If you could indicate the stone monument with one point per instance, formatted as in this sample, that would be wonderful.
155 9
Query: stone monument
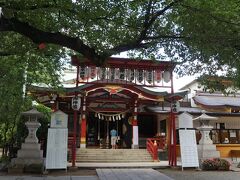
206 148
30 153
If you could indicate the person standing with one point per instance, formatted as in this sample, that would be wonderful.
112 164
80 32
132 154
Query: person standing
113 134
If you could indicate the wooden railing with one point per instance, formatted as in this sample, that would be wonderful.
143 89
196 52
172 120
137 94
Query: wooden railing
154 144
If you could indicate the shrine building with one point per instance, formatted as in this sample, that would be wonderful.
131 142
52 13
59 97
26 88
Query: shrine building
117 95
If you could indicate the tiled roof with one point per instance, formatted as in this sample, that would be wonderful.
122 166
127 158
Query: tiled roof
218 101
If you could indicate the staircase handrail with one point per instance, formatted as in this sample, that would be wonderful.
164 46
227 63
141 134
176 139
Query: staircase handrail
154 144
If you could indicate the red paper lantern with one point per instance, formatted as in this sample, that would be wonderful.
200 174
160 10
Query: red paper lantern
42 46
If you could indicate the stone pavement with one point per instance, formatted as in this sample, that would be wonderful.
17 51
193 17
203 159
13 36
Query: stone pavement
130 174
103 174
49 178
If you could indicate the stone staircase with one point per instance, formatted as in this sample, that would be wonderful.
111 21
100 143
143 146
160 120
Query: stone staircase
112 155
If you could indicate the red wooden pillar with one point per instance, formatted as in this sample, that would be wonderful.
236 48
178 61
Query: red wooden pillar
83 125
135 144
172 154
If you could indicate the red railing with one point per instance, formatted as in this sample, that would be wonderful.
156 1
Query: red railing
154 144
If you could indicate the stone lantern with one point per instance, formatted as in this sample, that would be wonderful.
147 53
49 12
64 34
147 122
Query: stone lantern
30 153
206 148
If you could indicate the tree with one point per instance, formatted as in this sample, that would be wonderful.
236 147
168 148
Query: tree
14 73
202 36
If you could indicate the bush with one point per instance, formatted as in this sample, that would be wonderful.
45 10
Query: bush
209 164
215 164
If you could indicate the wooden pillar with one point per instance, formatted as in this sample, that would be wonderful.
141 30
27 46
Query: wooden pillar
83 125
135 144
172 154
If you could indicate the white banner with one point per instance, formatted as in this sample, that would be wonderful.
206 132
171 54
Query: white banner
188 147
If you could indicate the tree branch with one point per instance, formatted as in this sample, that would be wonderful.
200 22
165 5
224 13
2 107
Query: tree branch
147 24
38 36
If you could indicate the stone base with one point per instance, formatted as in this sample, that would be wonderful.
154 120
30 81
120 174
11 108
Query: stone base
135 146
20 165
206 151
22 161
82 145
16 169
30 154
30 151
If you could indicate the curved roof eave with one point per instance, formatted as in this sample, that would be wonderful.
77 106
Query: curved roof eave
217 102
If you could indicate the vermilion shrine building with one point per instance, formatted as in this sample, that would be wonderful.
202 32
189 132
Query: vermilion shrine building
117 95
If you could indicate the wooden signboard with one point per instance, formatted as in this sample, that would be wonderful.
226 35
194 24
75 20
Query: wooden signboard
188 148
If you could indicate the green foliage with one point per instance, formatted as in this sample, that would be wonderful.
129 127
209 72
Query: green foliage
215 164
201 36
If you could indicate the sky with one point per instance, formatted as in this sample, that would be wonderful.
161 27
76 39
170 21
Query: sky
180 82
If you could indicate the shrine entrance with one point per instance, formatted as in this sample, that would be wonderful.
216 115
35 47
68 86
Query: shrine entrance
98 132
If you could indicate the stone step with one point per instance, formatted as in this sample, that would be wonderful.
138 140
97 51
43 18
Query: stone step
112 155
111 161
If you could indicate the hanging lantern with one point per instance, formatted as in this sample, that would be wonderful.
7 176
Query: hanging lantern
157 76
96 115
122 74
113 118
130 75
102 73
111 74
149 76
166 76
116 73
140 75
99 117
93 72
76 103
82 72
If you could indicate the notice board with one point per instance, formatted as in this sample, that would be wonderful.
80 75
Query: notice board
57 149
188 148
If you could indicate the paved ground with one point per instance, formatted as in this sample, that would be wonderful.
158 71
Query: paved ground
130 174
192 174
177 174
49 178
91 174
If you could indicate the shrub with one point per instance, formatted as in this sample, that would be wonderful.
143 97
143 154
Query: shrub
209 164
215 164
